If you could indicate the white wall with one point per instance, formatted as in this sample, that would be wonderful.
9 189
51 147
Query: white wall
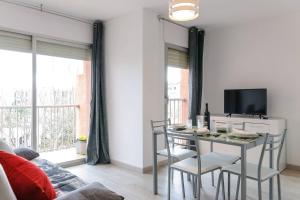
153 80
262 54
155 35
176 35
25 20
135 78
123 56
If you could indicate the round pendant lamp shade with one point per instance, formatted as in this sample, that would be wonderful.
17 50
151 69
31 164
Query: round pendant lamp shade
183 10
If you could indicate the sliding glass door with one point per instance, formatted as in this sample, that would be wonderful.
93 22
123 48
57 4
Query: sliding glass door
63 92
44 92
15 98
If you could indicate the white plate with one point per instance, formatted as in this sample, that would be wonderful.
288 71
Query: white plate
177 126
244 135
198 131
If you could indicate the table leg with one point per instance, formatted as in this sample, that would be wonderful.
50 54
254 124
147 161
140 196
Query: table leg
154 164
229 185
243 172
271 182
212 173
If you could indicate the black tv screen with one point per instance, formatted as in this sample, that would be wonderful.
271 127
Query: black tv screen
245 101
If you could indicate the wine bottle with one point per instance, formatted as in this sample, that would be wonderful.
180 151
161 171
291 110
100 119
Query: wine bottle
207 117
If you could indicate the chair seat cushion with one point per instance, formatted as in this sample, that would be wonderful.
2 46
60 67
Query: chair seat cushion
252 171
209 162
178 153
26 179
190 165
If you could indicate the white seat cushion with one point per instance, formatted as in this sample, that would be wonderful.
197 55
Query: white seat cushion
5 188
190 165
252 171
178 153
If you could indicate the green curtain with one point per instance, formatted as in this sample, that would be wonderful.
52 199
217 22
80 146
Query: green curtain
196 43
97 150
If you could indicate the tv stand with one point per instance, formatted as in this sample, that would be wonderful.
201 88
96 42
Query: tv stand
259 116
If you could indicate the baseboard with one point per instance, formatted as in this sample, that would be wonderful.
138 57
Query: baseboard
159 164
126 166
137 169
293 167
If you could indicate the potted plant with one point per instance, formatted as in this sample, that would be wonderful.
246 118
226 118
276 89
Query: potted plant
81 143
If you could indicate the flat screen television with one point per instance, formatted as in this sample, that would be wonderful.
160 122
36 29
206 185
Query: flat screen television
245 101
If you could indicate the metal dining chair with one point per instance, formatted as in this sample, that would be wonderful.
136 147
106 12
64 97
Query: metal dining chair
196 166
177 152
258 172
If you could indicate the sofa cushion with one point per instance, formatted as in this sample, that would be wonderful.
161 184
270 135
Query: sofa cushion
5 147
26 153
93 191
62 180
26 179
5 189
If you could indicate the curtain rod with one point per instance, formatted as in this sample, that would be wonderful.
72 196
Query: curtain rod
170 21
42 9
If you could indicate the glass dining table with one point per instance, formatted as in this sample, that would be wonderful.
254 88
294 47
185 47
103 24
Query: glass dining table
243 144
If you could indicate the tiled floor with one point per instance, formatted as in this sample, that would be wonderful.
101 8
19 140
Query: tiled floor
137 186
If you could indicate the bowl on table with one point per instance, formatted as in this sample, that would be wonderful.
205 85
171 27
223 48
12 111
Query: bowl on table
243 134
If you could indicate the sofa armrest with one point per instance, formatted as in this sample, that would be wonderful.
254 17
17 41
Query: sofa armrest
91 191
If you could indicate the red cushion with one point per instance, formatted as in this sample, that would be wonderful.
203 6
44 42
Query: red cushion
26 179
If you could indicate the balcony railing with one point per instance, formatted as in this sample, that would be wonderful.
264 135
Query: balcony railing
176 110
56 126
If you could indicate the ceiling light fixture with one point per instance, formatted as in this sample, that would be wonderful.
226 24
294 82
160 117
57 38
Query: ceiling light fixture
183 10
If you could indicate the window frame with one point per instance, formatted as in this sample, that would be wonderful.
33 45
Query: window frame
167 47
34 41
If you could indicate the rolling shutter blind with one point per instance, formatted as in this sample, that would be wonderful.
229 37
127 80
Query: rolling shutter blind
15 42
177 58
23 43
78 52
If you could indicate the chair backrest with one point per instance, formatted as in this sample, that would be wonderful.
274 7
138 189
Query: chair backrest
160 126
191 141
272 143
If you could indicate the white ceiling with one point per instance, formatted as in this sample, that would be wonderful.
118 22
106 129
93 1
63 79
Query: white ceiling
213 13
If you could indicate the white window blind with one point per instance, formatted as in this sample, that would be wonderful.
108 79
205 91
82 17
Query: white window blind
15 41
176 58
23 43
65 50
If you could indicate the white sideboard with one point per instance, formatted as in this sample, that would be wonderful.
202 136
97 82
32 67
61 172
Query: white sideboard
271 125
